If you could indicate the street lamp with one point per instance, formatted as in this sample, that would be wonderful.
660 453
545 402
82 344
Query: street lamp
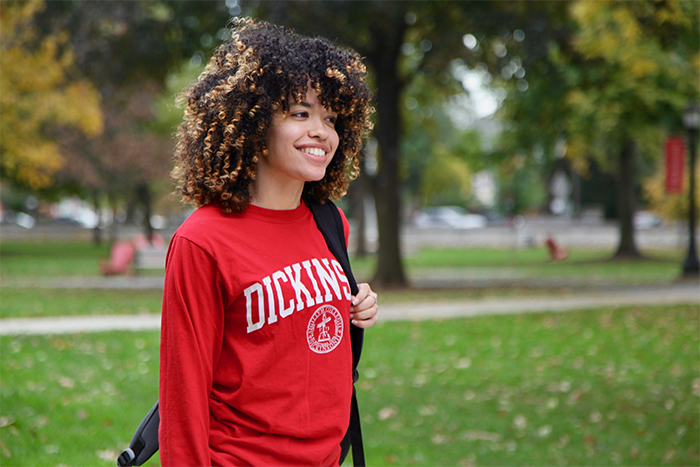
691 122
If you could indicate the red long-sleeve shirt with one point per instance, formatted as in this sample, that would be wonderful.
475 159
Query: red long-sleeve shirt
256 359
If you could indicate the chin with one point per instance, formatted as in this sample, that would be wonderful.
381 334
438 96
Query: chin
315 177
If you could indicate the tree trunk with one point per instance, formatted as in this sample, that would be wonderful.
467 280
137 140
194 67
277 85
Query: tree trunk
356 195
96 232
144 196
113 228
626 201
386 187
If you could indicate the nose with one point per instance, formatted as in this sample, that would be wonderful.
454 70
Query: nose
318 129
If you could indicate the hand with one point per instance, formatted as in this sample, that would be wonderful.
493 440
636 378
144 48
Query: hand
363 311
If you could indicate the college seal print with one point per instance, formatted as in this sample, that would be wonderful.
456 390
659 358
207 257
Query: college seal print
325 329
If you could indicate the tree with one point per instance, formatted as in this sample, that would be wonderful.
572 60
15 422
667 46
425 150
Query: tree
128 49
607 79
127 160
638 72
40 94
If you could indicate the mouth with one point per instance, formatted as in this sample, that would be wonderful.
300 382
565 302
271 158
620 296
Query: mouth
316 152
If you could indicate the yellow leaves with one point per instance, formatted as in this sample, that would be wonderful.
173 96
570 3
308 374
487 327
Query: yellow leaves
585 12
672 12
627 25
669 206
87 118
613 32
38 96
639 68
16 13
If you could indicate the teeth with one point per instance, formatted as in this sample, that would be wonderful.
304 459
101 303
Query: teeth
314 151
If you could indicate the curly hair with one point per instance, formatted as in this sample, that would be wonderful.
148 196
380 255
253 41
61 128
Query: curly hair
228 112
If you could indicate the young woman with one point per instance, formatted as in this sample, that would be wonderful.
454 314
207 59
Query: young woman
256 358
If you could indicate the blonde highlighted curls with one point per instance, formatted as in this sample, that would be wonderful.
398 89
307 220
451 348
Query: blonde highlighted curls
228 112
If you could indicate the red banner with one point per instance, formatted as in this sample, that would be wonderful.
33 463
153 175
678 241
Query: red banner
675 159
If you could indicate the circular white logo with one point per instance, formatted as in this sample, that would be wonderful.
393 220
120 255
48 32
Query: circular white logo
325 329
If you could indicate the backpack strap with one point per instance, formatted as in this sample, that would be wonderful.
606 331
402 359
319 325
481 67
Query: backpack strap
330 224
145 441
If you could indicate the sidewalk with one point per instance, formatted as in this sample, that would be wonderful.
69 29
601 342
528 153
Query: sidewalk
678 293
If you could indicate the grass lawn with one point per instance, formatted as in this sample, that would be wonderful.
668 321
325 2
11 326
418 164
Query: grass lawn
588 264
29 259
39 302
51 258
603 387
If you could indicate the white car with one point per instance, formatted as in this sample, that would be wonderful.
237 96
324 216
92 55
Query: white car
453 217
647 220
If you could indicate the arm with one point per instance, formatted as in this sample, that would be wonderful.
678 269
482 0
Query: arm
191 336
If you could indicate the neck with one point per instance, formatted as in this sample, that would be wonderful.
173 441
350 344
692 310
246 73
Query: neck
276 197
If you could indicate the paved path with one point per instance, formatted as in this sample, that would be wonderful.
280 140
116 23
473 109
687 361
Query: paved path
680 293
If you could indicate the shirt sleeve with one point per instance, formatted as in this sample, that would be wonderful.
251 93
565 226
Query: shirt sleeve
191 339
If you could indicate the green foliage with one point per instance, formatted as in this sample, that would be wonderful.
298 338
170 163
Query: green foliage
167 111
639 69
595 76
447 179
438 157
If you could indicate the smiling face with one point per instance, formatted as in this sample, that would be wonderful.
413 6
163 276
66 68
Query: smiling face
300 144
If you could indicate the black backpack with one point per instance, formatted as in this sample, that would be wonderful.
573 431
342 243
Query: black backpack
145 440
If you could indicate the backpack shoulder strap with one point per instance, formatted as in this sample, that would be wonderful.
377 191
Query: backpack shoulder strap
330 224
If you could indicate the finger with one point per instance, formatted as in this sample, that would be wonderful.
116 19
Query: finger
363 291
366 323
369 302
364 314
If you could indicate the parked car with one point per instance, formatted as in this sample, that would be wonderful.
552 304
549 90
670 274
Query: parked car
647 220
452 217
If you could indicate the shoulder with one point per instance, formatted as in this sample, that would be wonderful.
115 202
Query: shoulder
204 217
204 224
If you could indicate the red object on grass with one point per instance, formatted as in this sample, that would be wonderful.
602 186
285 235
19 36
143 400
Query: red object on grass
120 259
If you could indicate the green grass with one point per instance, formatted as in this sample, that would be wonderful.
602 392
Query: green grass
29 259
585 264
51 258
604 387
38 302
33 302
75 399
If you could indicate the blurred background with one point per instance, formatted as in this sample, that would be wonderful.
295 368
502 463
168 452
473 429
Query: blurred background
520 149
535 111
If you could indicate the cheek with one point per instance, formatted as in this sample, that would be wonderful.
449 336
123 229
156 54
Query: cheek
335 141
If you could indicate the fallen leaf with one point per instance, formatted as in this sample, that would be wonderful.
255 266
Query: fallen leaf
387 412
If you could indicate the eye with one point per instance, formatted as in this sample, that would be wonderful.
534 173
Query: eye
299 114
332 119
